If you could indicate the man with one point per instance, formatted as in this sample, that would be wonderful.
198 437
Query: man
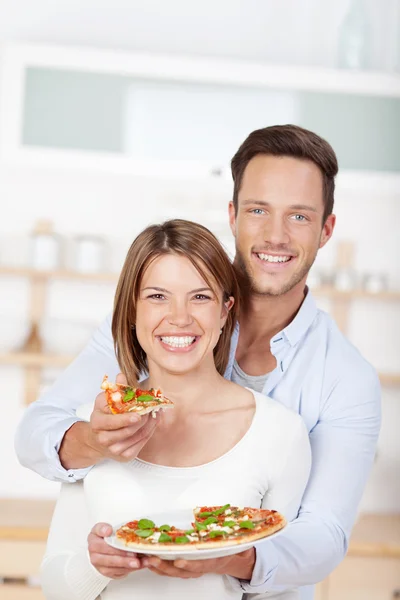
281 214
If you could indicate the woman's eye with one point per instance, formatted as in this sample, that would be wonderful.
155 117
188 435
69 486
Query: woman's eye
157 297
201 297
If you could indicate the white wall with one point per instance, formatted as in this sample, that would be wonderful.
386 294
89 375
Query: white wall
277 31
88 202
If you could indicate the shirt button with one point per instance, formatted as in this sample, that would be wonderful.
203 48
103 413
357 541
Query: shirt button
71 475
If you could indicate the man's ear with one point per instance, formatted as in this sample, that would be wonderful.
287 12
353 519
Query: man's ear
327 230
232 219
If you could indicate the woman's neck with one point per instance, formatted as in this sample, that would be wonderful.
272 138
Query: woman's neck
191 391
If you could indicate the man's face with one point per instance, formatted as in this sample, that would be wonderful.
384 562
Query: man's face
278 226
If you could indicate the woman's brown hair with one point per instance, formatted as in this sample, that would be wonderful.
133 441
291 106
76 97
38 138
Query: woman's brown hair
201 247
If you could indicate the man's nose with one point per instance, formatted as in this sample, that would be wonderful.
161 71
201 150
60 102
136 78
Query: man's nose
275 231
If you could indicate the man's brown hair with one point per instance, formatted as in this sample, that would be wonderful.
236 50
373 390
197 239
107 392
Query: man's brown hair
288 140
183 238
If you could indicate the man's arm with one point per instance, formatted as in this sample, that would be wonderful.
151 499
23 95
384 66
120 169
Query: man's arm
50 425
343 447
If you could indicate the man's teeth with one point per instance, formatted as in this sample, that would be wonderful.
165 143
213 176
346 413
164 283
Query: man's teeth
274 259
178 342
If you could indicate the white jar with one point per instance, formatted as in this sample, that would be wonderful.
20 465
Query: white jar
45 248
89 255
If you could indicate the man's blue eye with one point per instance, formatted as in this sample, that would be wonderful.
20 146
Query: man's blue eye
299 217
257 211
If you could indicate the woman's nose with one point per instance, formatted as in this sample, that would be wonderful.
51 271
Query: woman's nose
180 314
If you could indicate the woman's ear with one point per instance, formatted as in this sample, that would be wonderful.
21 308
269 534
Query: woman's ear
226 307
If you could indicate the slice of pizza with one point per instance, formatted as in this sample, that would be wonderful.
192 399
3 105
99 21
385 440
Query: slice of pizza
123 398
228 523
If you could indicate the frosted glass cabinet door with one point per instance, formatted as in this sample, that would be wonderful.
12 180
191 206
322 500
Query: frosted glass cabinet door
145 119
156 120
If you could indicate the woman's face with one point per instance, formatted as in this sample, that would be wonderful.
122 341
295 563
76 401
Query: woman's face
179 317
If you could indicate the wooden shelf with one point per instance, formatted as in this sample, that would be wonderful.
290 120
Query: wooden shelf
58 274
335 294
34 359
389 379
326 291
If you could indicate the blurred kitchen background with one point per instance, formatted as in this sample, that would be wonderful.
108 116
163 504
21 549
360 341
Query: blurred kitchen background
116 114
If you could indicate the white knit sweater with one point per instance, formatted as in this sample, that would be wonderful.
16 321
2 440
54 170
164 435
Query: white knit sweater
268 467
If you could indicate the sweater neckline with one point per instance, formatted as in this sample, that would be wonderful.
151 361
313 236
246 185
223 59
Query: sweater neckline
167 469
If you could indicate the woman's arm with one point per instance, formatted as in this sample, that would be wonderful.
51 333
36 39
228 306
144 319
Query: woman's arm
66 571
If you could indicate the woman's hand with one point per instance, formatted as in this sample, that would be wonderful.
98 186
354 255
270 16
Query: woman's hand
109 561
120 436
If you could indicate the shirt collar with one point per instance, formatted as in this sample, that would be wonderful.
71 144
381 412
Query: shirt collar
302 321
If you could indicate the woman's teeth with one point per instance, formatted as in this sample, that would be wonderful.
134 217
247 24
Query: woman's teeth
178 342
275 259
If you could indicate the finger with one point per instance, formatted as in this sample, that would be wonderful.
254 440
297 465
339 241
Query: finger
164 566
139 438
112 561
124 436
115 573
101 421
101 530
122 379
98 545
177 573
196 566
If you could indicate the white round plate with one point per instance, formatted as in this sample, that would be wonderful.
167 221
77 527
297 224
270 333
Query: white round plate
182 519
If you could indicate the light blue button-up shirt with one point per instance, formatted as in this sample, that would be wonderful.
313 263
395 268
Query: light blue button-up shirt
320 375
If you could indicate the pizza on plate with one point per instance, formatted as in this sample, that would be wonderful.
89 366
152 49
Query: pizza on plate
213 527
123 398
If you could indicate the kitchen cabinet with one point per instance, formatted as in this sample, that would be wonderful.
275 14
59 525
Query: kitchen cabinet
180 117
371 569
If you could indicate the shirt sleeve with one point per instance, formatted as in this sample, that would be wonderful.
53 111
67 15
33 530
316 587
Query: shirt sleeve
343 445
42 428
66 570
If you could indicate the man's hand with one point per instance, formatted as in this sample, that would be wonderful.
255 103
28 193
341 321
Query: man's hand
120 436
239 565
109 561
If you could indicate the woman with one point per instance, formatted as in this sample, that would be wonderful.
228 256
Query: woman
175 309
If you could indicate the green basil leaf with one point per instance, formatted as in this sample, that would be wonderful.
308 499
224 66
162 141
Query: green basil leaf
205 514
200 526
210 520
146 524
181 539
164 528
229 523
164 538
144 533
246 525
129 395
216 533
145 398
189 531
219 511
